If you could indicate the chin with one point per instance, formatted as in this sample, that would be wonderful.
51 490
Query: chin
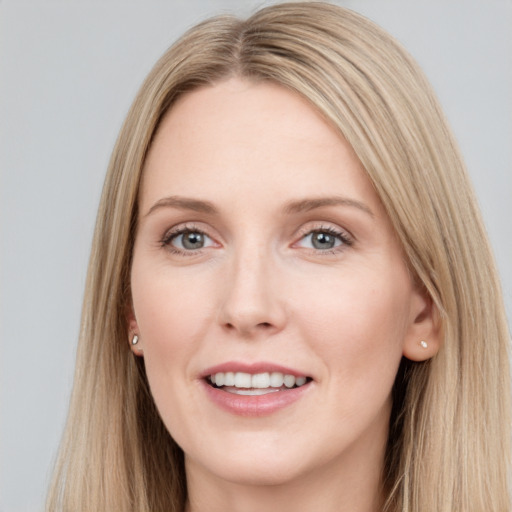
261 475
265 468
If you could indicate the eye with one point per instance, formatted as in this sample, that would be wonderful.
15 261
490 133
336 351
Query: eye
187 239
324 239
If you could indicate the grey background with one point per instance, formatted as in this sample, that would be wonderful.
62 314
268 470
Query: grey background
68 72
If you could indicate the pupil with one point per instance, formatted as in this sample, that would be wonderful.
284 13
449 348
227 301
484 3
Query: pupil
193 241
323 241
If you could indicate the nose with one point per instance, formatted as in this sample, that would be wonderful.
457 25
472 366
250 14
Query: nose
253 302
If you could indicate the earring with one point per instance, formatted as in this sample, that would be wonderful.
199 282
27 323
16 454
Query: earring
424 344
135 339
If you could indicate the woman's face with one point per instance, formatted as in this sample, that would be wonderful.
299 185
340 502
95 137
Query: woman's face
263 257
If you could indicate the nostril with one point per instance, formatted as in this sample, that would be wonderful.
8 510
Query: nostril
249 330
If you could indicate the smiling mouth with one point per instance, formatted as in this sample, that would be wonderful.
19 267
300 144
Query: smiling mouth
241 383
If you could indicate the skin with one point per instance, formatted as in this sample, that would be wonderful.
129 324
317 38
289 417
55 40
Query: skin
260 290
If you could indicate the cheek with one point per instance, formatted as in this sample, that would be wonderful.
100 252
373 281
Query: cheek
167 302
171 324
171 318
358 325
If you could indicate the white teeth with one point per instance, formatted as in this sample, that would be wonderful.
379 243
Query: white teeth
260 380
229 379
300 381
276 379
257 381
242 380
253 392
289 381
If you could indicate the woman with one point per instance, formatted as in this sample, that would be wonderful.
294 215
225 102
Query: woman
291 302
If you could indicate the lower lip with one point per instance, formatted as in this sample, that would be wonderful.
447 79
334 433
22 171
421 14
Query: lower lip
254 405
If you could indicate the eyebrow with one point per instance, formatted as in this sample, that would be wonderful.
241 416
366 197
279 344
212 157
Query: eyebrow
306 205
183 203
300 206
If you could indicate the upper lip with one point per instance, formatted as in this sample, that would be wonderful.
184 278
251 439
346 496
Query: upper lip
252 368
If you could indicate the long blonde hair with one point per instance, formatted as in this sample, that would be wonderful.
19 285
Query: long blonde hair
449 433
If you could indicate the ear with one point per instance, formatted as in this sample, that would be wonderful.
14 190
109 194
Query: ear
423 339
134 338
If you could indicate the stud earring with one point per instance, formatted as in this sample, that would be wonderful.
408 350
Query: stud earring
135 339
424 344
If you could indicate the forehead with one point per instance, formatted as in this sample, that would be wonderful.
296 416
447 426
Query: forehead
237 135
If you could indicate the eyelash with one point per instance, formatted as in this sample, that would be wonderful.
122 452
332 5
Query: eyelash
345 239
169 236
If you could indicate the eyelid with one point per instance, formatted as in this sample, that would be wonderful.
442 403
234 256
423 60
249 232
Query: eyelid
343 235
180 229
